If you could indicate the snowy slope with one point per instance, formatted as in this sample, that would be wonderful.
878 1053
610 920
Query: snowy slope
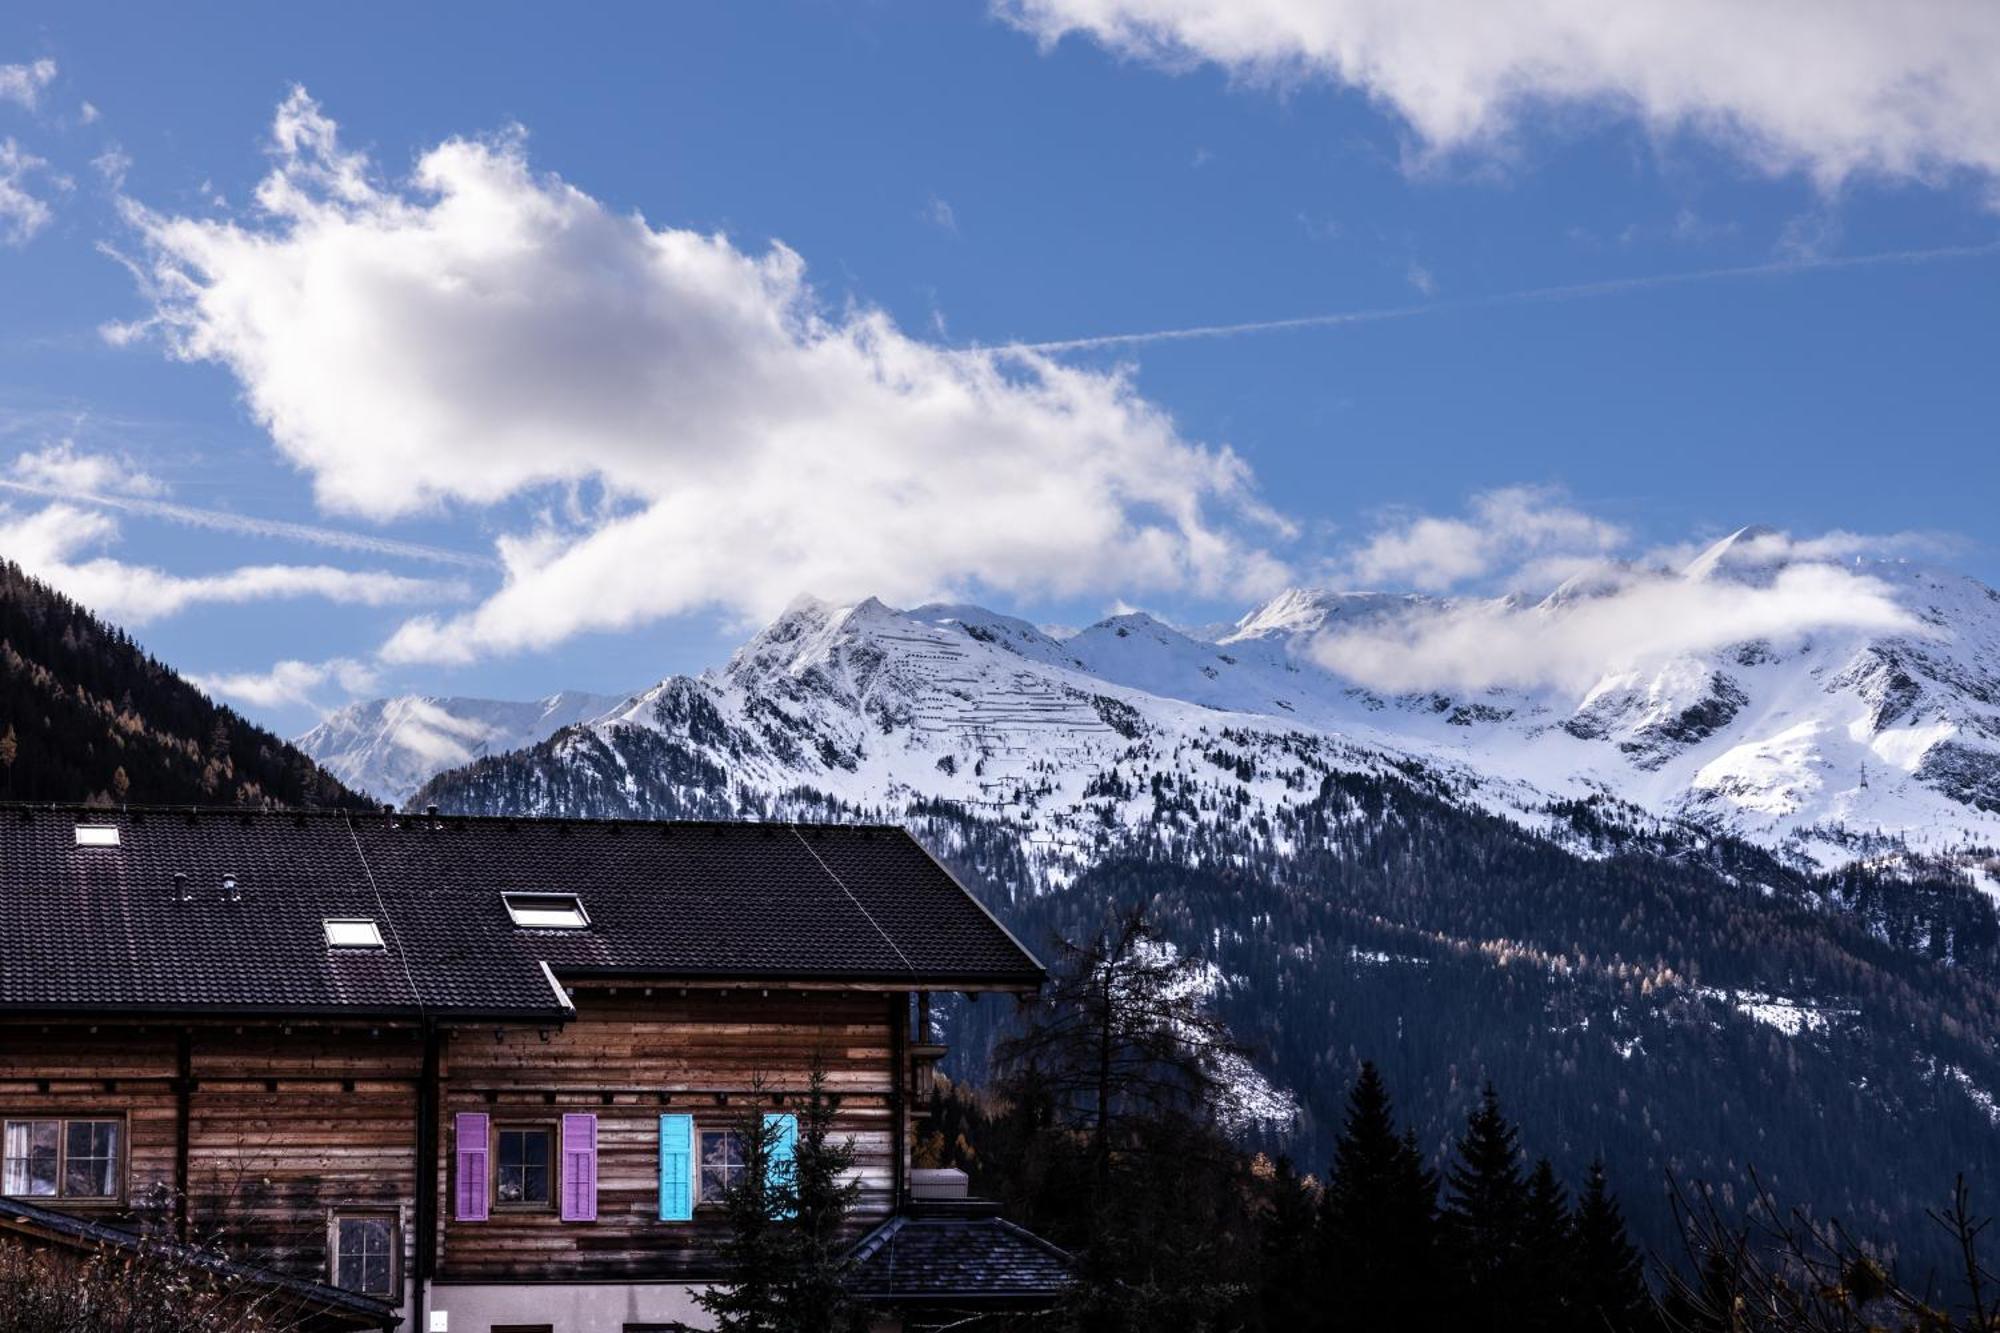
1815 746
389 747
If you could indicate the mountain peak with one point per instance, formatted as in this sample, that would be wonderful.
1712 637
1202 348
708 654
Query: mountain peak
1749 553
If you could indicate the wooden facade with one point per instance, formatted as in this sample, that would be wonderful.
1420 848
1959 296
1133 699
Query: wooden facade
258 1135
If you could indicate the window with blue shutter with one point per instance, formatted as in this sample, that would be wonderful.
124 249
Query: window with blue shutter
676 1168
784 1150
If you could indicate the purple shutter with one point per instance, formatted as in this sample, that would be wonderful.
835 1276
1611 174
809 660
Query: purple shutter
470 1135
579 1166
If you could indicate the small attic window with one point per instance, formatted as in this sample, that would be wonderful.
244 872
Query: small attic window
352 933
97 835
546 911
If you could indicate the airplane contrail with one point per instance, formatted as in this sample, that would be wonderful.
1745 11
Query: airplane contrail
1523 296
222 520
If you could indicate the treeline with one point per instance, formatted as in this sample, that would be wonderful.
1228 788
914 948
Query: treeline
1646 1009
1106 1130
87 715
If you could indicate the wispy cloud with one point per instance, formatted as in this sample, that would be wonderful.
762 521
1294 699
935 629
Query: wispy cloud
22 212
290 682
58 543
1579 291
222 520
23 84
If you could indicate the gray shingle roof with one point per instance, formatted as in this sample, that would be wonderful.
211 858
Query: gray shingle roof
958 1256
102 927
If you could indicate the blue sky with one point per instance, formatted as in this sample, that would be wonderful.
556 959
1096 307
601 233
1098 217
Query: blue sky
967 178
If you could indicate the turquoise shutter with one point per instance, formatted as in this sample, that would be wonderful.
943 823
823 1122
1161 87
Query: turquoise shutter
784 1150
676 1168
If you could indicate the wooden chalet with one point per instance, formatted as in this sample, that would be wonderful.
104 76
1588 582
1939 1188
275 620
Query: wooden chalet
471 1074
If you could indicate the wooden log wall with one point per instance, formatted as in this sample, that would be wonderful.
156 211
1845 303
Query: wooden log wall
628 1057
285 1125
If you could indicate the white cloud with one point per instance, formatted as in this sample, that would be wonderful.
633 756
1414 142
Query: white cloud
290 682
60 468
1638 618
938 212
23 84
1610 615
112 165
22 214
483 332
54 544
1503 529
1422 279
1833 88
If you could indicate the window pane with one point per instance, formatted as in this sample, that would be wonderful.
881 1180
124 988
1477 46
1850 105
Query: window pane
522 1174
721 1163
91 1159
364 1245
31 1153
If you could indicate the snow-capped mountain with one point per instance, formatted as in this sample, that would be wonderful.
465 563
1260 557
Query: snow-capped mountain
1332 853
390 747
1817 746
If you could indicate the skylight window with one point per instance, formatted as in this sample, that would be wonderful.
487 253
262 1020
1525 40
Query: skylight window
353 933
546 911
97 835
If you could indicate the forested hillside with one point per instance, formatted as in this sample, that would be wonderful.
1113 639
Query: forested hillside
1673 1002
87 715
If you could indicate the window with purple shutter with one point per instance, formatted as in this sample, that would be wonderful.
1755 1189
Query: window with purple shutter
469 1145
579 1183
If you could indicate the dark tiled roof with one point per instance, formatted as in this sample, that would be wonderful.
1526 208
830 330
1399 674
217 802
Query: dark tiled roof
101 927
351 1308
965 1255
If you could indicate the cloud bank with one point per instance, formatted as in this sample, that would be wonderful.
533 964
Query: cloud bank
1608 613
1830 88
707 433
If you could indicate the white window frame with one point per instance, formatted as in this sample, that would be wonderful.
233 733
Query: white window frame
341 931
538 911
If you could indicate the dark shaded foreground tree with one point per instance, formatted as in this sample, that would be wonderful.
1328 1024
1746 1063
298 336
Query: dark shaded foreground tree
787 1242
1776 1270
1115 1149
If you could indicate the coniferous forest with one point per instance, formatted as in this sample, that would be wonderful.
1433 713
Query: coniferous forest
87 715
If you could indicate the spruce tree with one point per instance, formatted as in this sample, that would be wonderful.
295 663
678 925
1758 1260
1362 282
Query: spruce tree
814 1293
756 1251
1484 1219
1288 1240
1608 1293
1547 1253
1379 1221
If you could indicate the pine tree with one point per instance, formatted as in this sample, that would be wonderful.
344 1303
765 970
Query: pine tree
1608 1293
1380 1219
814 1295
1484 1219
